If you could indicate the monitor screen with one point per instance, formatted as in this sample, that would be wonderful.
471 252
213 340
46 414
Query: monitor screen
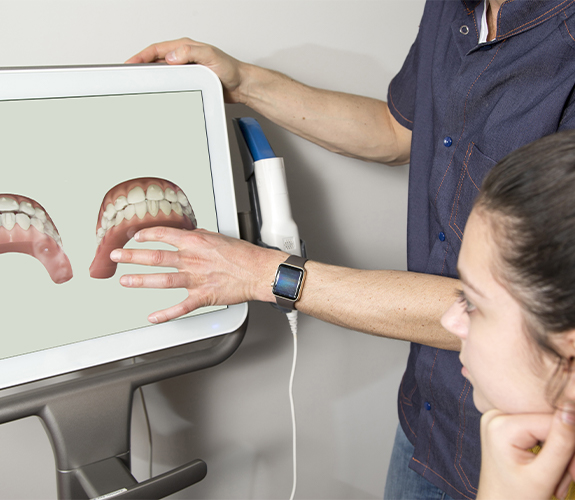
90 155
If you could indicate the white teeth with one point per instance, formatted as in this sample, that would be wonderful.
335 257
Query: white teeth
39 214
166 207
153 207
119 218
154 193
49 229
38 224
8 204
176 207
171 195
140 203
23 221
182 199
8 220
121 203
24 214
27 208
110 212
136 195
141 209
129 212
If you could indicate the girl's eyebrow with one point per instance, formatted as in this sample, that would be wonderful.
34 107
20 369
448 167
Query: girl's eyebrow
469 284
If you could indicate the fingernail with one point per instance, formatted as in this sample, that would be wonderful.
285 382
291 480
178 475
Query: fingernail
171 56
137 236
126 280
152 319
115 255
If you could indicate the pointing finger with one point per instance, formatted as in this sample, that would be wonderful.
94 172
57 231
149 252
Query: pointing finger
160 258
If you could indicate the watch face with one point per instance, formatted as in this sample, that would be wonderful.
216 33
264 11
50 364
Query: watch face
288 282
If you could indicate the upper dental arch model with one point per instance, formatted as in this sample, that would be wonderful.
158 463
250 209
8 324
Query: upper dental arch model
133 205
26 227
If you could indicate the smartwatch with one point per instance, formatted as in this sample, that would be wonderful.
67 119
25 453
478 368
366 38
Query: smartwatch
288 282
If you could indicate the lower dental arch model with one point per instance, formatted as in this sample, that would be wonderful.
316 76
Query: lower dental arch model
133 205
25 227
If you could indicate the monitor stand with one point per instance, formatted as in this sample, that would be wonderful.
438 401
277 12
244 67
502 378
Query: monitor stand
88 421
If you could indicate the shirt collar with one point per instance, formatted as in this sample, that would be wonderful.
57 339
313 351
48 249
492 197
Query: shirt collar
516 16
484 29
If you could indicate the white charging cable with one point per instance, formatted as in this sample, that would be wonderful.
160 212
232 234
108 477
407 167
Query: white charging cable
292 318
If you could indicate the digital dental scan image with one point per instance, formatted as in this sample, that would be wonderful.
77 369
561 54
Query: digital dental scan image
26 227
83 159
133 205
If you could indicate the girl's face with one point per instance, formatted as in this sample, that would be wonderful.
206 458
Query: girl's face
498 358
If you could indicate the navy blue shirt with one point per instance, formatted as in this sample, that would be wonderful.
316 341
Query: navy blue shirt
468 106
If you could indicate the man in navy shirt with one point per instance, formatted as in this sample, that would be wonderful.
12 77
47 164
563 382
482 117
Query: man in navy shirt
482 78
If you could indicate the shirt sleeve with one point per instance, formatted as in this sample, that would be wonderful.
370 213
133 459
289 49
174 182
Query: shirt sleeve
402 89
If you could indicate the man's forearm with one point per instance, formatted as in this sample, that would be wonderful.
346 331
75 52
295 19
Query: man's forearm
220 270
351 125
394 304
347 124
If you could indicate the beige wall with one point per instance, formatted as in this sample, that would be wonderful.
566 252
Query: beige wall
236 416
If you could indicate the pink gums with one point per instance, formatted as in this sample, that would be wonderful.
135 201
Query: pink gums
116 237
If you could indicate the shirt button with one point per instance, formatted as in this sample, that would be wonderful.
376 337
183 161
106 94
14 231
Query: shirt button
427 406
447 142
441 236
464 30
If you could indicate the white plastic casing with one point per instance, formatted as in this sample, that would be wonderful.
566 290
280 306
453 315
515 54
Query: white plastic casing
278 227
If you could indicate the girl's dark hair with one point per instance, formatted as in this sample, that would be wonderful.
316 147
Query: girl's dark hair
530 198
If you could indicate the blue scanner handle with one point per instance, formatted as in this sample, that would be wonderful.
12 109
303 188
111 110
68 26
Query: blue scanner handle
255 138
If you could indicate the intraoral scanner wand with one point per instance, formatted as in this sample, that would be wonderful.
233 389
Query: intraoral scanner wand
265 174
278 227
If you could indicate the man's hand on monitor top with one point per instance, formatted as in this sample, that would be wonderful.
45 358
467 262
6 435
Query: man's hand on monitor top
213 268
186 51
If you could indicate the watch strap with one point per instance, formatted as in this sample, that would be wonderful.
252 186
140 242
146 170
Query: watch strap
296 260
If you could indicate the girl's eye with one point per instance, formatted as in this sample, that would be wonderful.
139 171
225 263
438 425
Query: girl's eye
462 299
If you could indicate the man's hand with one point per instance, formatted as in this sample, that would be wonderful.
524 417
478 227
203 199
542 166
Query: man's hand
348 124
213 268
510 469
186 51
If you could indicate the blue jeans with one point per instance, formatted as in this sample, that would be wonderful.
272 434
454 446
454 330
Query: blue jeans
403 483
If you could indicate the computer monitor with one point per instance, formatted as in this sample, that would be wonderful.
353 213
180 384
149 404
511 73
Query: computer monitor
89 155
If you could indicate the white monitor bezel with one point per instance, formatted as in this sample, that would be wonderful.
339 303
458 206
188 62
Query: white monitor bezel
79 81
